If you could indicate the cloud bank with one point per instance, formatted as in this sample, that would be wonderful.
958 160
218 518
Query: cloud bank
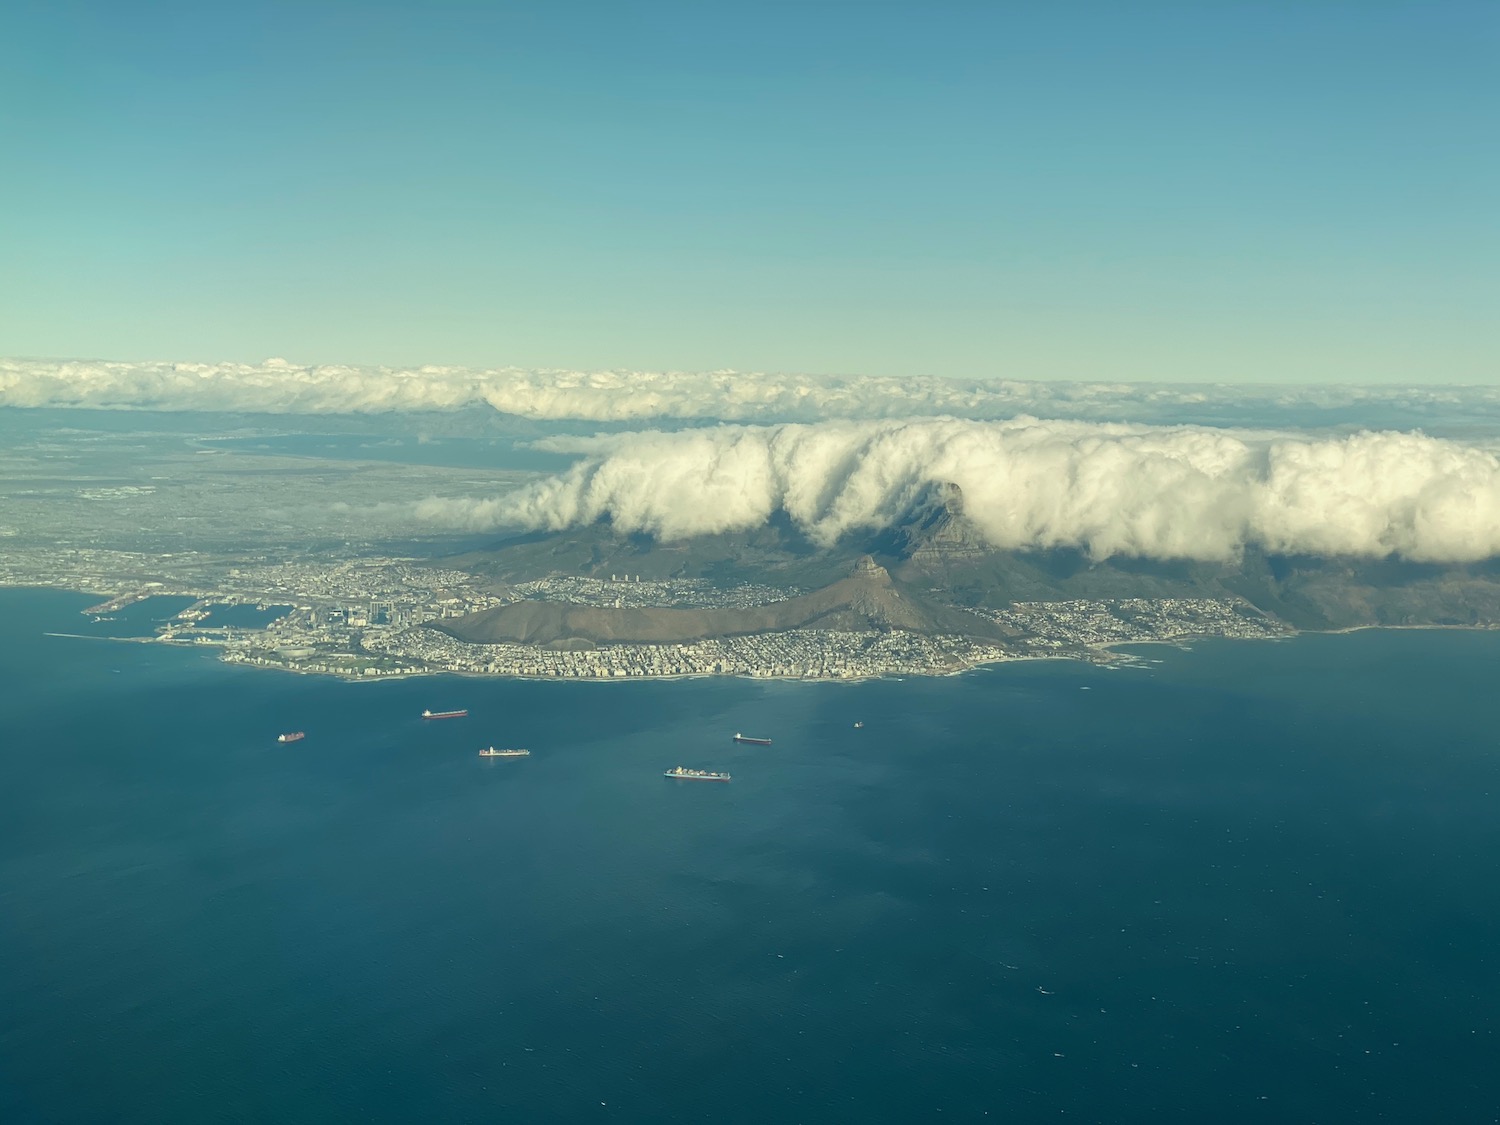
278 387
1108 489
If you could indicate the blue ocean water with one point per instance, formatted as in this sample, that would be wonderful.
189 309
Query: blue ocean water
1252 882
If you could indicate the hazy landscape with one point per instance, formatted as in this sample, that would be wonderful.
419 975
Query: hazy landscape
763 563
464 504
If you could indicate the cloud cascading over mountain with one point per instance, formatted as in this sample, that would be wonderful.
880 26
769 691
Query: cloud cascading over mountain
1108 489
278 387
1111 470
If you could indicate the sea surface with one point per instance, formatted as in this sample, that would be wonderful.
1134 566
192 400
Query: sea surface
1250 881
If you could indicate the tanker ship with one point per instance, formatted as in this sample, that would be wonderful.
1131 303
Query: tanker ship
694 775
748 741
444 714
293 736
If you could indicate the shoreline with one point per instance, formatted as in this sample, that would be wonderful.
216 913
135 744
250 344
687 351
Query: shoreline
1104 655
1097 655
220 654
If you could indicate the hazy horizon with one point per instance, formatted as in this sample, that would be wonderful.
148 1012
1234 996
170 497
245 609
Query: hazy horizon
1089 192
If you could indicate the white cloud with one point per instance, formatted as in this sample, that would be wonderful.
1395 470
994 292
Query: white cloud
277 386
1109 489
1113 472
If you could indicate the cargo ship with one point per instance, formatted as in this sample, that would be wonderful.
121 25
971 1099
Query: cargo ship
694 775
491 752
738 737
293 736
444 714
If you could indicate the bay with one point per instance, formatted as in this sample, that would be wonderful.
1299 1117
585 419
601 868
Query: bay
1245 882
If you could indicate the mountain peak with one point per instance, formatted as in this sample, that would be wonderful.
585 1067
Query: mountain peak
934 528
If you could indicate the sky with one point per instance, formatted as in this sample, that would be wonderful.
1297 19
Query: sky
1271 192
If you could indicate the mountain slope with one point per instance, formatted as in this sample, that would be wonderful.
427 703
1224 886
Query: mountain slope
936 558
866 600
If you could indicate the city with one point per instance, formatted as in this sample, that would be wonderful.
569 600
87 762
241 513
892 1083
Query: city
370 618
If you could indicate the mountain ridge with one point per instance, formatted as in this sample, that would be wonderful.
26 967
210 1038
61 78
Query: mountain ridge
868 599
935 556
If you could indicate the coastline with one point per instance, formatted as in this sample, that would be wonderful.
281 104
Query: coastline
1105 654
1102 655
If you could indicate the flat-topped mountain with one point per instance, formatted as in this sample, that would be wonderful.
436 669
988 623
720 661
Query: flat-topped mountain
934 530
934 558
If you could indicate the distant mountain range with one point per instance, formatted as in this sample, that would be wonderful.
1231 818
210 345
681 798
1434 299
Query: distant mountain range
920 574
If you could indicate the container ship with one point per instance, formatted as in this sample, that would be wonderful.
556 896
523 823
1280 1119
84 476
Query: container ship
292 736
444 714
748 741
694 775
491 752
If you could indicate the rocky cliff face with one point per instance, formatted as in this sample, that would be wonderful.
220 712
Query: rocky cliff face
936 558
934 530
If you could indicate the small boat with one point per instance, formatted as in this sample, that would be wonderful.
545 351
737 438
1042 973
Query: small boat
860 725
684 774
491 752
747 740
291 736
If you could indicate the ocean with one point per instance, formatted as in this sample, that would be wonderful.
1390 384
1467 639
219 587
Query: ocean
1245 881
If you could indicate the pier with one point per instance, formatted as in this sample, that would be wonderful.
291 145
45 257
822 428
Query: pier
120 601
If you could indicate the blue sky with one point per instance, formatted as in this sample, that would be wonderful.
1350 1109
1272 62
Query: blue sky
1178 191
